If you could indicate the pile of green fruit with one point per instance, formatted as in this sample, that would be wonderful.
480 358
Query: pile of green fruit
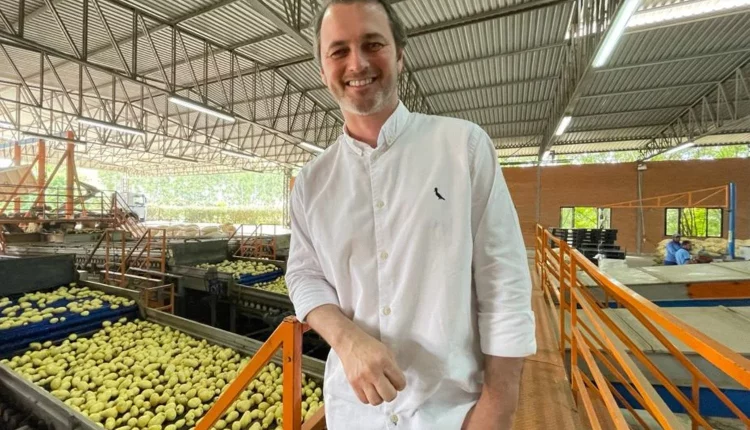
240 267
276 286
39 306
142 375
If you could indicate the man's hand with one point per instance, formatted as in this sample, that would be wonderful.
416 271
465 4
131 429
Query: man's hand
369 365
371 368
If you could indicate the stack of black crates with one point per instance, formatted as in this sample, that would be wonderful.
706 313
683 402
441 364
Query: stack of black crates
591 242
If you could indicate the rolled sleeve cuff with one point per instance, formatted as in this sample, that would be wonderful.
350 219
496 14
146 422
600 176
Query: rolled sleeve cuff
508 334
311 295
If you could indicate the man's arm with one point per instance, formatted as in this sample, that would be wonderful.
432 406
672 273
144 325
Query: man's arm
503 287
499 399
369 365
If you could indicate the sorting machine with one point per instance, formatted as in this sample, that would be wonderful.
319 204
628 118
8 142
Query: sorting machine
38 407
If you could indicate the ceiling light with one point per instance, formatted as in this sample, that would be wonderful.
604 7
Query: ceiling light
679 148
174 157
312 148
201 108
238 154
616 29
564 123
111 126
6 125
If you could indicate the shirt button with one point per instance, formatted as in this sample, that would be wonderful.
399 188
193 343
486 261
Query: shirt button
394 419
387 311
383 255
379 204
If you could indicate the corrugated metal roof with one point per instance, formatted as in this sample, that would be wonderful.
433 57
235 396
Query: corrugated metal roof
630 119
530 30
275 49
689 39
420 13
231 24
506 114
172 9
533 65
609 134
493 96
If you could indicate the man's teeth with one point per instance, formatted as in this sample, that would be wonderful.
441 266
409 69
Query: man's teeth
360 83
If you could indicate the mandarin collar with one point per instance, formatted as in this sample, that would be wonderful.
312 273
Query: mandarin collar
390 130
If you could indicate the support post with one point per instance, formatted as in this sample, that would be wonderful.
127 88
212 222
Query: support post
70 177
41 176
732 218
17 162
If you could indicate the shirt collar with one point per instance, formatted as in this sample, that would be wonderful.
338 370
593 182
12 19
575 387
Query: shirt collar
390 130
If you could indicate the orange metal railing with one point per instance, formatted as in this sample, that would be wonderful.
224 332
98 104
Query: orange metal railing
255 245
288 337
599 347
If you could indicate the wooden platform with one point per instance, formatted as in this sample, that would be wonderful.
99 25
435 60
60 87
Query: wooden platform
546 401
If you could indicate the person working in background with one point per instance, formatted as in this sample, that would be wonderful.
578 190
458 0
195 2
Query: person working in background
672 247
682 256
406 252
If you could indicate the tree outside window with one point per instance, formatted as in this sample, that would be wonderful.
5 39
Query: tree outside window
694 222
585 217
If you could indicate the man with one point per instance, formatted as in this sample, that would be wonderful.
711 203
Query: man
406 253
672 247
682 256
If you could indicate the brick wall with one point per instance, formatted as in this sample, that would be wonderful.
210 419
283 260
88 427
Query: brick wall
600 184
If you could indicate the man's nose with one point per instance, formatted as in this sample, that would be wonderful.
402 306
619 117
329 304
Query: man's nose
358 61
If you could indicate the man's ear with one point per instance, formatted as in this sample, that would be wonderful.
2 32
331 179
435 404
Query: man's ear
400 59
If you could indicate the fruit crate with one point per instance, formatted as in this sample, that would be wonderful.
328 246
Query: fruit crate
18 338
250 280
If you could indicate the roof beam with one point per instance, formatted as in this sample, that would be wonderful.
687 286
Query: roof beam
713 112
647 90
672 60
490 57
580 55
486 16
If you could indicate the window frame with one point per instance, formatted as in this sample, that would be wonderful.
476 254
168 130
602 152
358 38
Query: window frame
599 211
680 211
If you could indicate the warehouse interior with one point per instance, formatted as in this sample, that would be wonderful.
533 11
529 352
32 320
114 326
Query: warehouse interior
617 123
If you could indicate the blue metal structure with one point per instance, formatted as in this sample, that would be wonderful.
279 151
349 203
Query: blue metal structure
732 218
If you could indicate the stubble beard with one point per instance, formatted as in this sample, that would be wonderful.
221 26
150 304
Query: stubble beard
375 104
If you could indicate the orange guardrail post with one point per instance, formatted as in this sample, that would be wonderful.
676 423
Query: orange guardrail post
288 337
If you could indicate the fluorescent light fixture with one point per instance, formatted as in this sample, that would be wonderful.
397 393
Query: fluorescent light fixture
238 154
564 123
111 126
616 29
679 148
312 148
174 157
201 108
6 125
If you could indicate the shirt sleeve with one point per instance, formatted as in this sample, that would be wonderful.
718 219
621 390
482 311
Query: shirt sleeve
500 266
682 256
308 286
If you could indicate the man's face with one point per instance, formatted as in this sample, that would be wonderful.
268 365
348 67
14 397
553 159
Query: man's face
359 59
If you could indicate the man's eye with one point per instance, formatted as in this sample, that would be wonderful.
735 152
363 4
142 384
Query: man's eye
338 53
374 46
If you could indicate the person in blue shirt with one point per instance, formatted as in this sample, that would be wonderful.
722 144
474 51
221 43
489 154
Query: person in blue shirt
672 248
682 256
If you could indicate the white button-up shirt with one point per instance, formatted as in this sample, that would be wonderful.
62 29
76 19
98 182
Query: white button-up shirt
419 243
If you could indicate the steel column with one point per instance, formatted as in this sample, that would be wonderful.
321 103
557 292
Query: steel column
732 219
70 175
41 176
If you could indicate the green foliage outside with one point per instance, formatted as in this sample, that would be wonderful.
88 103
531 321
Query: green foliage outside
218 215
585 217
694 222
238 198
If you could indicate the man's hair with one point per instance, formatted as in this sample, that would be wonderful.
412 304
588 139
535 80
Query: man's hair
397 27
686 242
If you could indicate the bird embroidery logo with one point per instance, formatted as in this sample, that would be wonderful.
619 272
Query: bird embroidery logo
437 193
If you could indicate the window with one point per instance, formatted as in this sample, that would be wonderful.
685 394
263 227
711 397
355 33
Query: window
585 217
694 222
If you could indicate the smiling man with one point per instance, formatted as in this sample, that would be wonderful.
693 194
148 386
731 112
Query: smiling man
406 252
